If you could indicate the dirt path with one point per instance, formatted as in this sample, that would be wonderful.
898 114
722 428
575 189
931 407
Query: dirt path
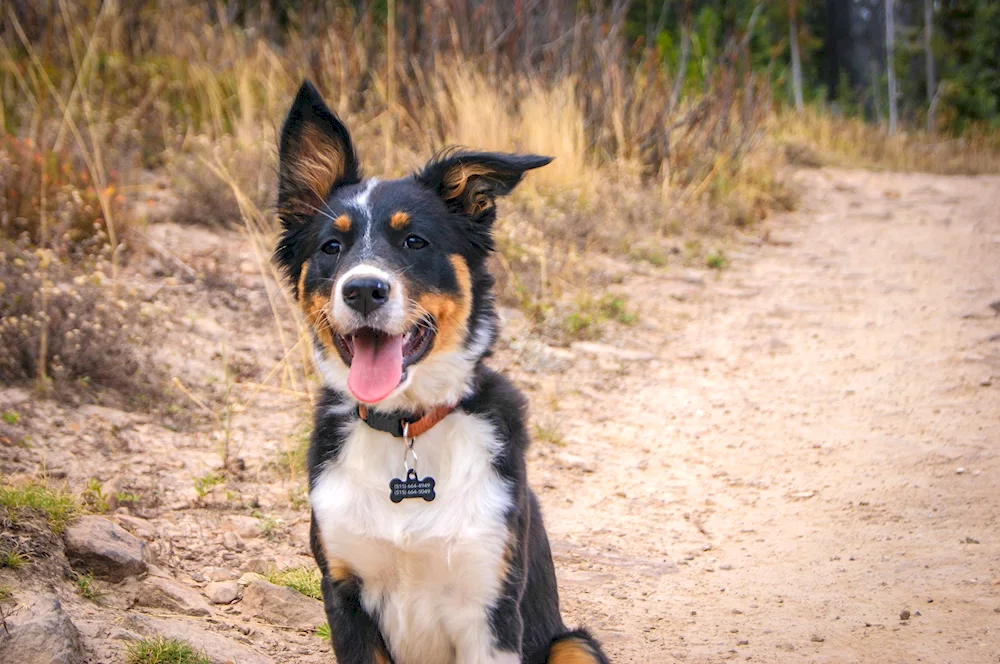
788 455
816 451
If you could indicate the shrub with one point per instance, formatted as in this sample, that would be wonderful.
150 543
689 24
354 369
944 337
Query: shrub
73 331
47 196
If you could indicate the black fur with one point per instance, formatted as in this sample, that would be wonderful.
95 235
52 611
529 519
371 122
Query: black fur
526 617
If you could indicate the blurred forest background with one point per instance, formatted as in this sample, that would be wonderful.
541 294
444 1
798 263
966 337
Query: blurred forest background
673 122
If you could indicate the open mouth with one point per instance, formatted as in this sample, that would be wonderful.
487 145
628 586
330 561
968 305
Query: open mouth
378 360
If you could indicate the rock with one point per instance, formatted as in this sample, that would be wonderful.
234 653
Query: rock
567 460
816 638
599 349
218 648
232 541
904 615
216 574
246 527
138 527
281 606
222 592
160 593
97 545
41 633
691 277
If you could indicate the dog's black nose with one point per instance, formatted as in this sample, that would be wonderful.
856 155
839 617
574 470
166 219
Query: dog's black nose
366 294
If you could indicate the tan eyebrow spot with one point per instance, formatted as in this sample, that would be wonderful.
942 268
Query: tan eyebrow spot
399 220
342 223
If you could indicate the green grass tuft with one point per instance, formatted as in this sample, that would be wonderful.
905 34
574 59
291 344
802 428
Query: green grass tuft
10 417
304 579
6 593
85 584
14 559
164 651
716 260
323 631
58 505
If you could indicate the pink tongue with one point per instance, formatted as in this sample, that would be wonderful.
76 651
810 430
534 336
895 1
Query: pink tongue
377 366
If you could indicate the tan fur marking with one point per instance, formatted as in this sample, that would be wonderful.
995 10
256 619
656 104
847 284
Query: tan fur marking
338 570
572 651
457 179
399 220
449 311
315 307
302 279
342 223
381 656
318 165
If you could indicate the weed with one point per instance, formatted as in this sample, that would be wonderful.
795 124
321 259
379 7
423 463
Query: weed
160 650
306 580
58 505
614 308
14 559
268 526
10 417
93 496
204 484
716 260
589 315
87 586
323 631
127 498
6 593
549 433
72 331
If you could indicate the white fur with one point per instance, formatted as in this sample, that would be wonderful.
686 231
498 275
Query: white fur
390 317
429 569
362 202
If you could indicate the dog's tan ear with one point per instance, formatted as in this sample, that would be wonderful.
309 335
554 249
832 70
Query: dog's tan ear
315 157
469 182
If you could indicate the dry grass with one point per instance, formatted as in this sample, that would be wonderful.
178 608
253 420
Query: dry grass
103 93
67 329
814 138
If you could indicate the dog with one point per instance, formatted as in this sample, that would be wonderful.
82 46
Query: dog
430 542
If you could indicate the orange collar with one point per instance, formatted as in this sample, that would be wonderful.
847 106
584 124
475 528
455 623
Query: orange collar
398 425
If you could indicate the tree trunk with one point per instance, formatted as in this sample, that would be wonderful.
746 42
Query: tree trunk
889 61
793 35
675 93
929 54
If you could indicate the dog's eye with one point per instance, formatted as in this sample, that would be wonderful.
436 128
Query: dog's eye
415 242
332 247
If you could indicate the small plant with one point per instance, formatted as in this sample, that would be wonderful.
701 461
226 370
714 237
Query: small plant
14 559
268 526
127 498
6 593
614 307
58 505
323 631
549 434
160 650
304 579
716 260
94 498
204 484
87 587
10 417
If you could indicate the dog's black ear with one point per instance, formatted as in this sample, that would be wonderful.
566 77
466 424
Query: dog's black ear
469 182
315 156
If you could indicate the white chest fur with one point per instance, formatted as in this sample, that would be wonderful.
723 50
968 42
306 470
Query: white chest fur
429 569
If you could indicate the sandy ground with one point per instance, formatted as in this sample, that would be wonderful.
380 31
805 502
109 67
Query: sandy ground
790 453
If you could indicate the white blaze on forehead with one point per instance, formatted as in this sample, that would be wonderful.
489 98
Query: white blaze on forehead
362 202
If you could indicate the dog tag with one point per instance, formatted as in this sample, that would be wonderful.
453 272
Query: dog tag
411 487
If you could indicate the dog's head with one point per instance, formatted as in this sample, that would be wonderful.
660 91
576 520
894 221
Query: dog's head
391 275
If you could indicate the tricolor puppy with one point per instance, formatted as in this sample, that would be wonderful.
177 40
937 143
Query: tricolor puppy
430 541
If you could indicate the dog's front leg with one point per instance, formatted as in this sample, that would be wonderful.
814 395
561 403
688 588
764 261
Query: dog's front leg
355 636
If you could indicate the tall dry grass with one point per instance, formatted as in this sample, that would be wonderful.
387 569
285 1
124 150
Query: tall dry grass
820 138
